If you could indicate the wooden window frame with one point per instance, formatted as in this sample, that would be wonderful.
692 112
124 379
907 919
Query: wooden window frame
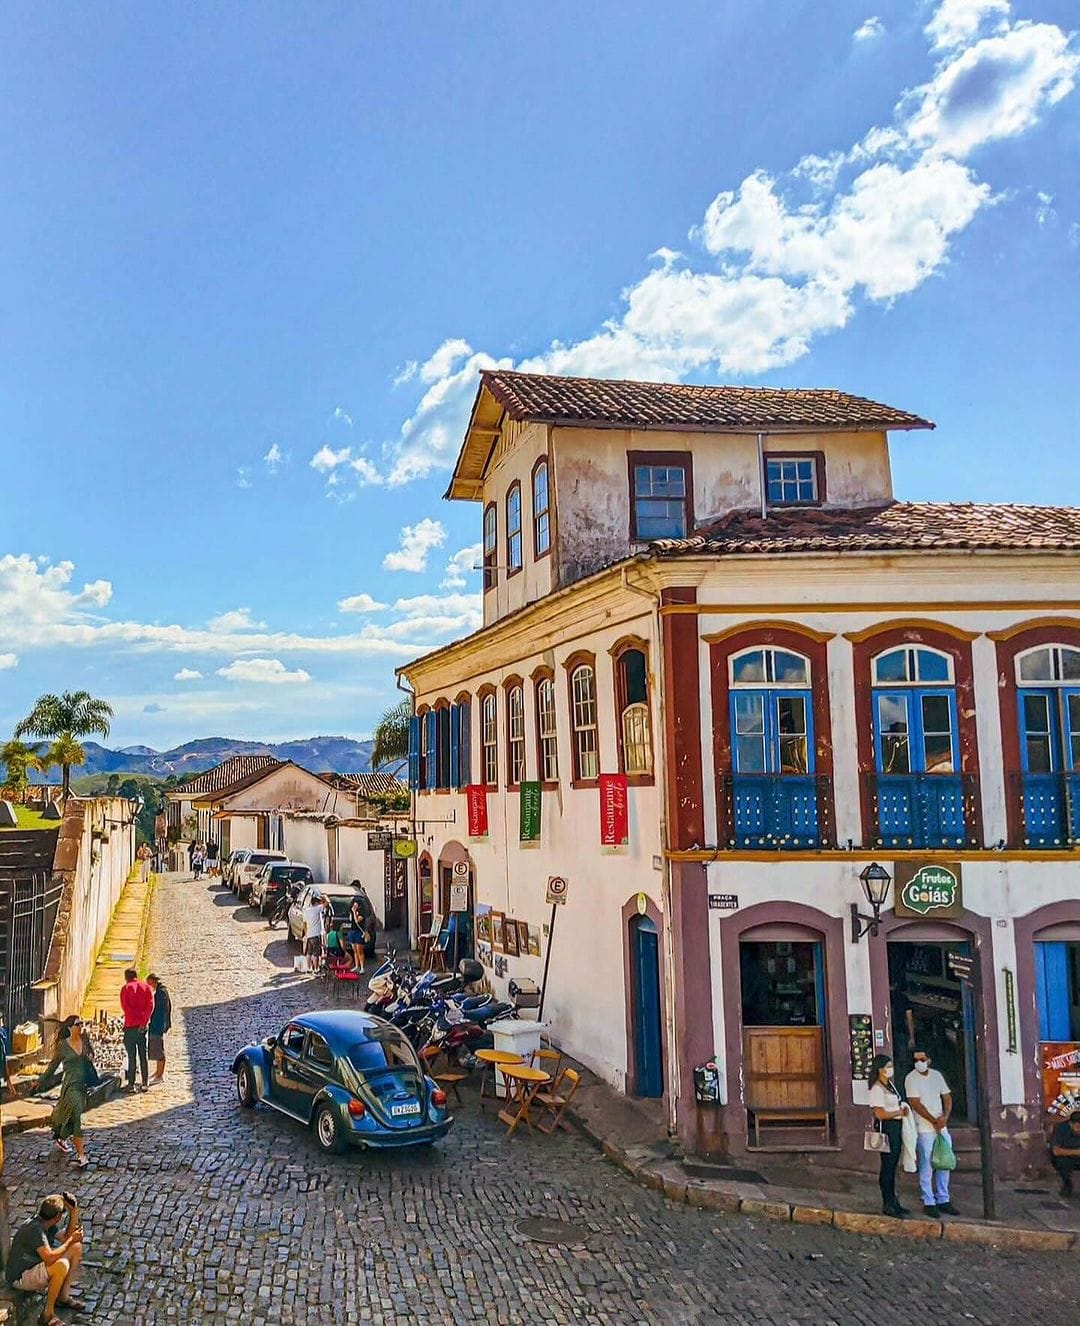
515 683
422 752
617 651
818 457
490 556
539 676
671 459
511 569
537 554
482 696
582 658
464 774
442 706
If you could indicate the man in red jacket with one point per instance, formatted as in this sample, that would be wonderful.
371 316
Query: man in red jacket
137 1001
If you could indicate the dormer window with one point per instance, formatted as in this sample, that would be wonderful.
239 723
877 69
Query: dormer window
661 488
792 480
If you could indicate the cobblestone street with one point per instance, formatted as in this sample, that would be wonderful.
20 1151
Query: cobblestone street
199 1212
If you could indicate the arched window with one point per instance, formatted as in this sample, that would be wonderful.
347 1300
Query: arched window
585 743
515 735
490 545
547 745
771 713
513 529
541 510
489 740
1049 682
914 711
632 709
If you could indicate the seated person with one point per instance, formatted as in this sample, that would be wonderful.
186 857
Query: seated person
42 1261
1065 1150
334 947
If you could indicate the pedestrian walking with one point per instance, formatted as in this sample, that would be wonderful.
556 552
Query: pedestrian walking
137 1001
931 1102
160 1023
888 1110
191 855
198 859
144 856
73 1064
41 1260
313 926
1065 1151
212 851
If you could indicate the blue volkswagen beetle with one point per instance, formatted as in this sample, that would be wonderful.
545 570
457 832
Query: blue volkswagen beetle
352 1077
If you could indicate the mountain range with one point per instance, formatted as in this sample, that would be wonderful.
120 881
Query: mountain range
320 754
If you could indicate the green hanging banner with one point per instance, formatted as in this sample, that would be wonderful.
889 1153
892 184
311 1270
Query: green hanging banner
529 803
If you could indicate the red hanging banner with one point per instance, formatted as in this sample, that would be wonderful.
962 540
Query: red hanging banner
476 799
614 816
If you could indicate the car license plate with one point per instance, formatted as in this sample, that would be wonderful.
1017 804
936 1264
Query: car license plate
413 1107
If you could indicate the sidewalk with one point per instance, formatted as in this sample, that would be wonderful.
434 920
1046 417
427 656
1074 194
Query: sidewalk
124 946
633 1134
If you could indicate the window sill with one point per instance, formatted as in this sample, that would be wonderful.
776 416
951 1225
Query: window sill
553 786
576 783
640 780
515 572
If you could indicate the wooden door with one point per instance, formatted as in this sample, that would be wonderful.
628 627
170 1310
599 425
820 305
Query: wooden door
784 1067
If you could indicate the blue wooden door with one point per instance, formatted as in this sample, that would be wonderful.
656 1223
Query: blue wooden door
648 1045
920 796
1049 751
1052 996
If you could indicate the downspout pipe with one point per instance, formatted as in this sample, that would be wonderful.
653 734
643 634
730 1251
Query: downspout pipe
672 1075
761 474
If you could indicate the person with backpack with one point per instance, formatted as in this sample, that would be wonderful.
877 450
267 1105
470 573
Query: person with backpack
160 1023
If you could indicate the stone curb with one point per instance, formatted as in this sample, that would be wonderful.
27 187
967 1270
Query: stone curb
665 1177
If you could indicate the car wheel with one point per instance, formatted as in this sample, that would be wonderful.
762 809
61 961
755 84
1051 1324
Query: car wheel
245 1086
328 1131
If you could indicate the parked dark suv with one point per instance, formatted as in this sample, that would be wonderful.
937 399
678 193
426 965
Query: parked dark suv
272 880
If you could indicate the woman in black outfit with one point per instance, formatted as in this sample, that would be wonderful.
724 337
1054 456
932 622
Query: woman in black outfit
888 1109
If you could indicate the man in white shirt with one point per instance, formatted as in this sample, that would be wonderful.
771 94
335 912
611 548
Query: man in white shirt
313 925
931 1102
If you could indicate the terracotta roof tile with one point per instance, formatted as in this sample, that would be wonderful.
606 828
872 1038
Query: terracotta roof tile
618 404
226 774
899 526
366 784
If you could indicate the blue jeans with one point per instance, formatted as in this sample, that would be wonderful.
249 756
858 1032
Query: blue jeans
933 1183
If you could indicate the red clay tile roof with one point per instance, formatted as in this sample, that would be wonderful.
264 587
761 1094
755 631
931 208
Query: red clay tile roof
224 775
616 404
365 784
933 526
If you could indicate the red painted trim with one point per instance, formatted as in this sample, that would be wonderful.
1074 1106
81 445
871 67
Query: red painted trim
617 650
579 657
481 696
680 683
489 557
537 555
544 673
863 651
1008 699
1025 934
760 637
692 985
514 570
674 459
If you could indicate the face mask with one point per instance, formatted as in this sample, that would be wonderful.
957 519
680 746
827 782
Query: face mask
889 1072
923 1066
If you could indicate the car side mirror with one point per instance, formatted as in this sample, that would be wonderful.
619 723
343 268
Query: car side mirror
271 1041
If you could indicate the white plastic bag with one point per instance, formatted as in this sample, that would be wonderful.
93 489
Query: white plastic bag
300 964
908 1138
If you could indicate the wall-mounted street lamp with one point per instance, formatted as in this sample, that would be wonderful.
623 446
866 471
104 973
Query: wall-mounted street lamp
875 880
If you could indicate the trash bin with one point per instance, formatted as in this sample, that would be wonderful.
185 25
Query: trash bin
515 1037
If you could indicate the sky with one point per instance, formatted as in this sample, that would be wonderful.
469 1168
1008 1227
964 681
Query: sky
253 258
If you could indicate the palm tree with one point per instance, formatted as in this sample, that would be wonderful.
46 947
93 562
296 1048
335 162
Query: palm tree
391 745
17 759
65 718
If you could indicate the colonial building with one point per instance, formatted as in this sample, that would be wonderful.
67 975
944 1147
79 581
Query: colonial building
722 672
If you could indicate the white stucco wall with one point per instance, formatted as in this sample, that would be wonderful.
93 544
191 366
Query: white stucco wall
305 842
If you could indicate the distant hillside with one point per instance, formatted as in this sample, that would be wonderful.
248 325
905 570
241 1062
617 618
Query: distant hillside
340 754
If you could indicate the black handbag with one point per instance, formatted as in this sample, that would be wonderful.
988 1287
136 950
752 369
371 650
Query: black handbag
105 1089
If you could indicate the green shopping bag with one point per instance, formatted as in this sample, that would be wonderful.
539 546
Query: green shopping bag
942 1156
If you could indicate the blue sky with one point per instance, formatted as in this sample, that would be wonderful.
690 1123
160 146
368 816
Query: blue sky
253 258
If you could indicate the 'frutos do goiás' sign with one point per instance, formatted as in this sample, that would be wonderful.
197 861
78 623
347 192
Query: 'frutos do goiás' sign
933 889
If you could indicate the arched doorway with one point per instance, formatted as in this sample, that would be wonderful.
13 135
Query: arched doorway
645 1014
456 871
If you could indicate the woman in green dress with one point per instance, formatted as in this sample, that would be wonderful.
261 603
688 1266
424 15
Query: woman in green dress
73 1061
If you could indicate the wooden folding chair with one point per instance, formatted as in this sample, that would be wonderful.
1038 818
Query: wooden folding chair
550 1061
555 1100
450 1078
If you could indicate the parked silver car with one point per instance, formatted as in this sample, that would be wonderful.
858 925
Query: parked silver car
232 863
246 871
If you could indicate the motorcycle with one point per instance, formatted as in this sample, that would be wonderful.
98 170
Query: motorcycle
280 909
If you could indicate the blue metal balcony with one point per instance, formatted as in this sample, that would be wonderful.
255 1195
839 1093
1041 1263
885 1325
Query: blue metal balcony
1049 809
777 812
923 810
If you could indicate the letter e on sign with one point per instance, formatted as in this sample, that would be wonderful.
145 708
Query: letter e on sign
556 889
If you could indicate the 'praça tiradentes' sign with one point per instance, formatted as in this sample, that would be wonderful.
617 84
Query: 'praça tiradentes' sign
933 888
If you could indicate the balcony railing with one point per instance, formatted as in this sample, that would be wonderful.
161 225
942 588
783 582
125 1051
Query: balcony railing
1049 809
777 812
923 810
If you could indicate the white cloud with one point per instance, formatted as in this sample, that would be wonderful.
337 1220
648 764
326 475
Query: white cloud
342 416
240 619
782 260
242 480
270 670
869 29
187 674
275 458
461 565
1045 210
956 22
365 471
327 459
467 606
407 373
8 661
154 708
416 542
360 603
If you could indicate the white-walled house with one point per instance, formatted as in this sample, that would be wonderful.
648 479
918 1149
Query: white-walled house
704 604
181 800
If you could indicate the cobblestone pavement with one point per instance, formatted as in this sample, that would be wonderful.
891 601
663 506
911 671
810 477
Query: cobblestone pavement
199 1212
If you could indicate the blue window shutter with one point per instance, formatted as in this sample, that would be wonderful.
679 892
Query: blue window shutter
455 745
414 752
465 745
1052 991
431 720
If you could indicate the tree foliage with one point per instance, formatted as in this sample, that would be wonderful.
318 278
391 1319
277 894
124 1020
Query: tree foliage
391 737
63 719
18 759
